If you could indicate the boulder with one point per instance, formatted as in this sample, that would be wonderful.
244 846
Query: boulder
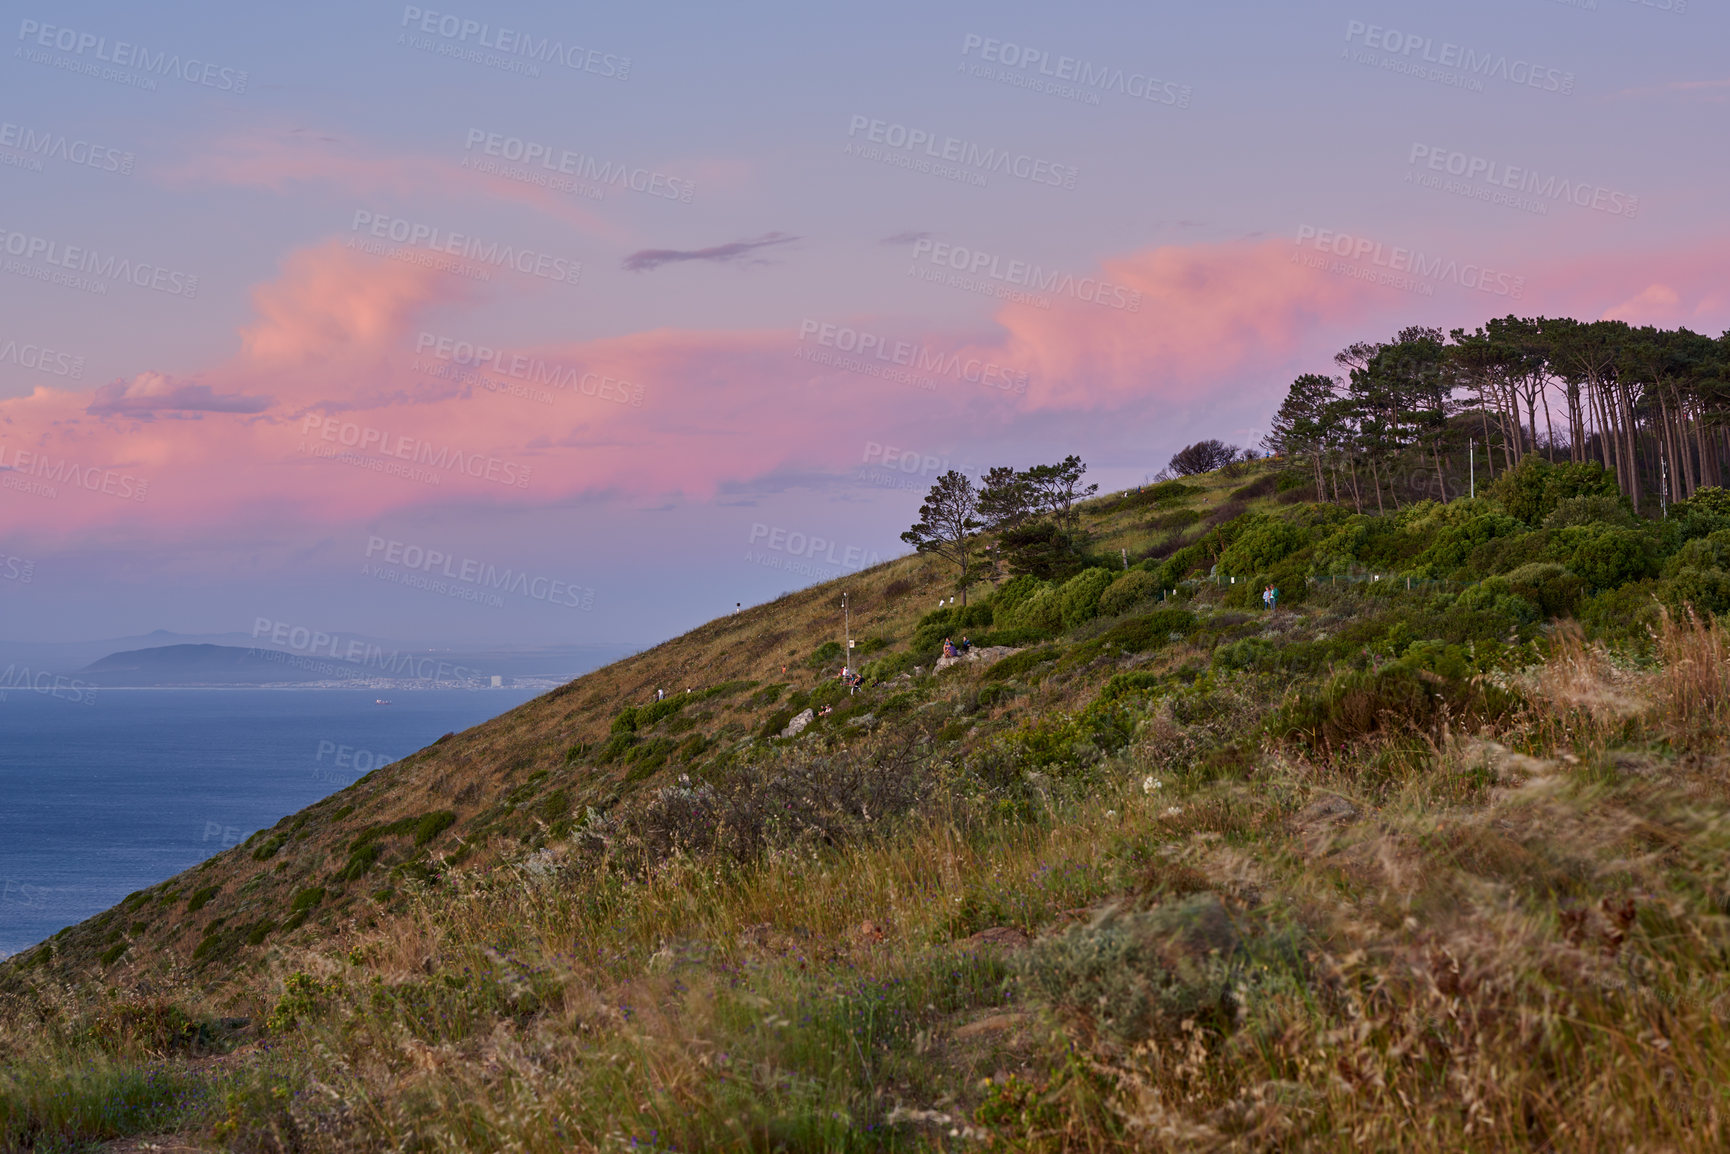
798 724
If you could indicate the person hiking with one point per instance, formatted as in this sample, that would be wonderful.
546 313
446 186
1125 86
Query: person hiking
1272 597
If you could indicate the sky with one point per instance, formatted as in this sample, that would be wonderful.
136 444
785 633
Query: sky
520 324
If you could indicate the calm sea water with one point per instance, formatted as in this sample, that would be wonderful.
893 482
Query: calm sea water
100 799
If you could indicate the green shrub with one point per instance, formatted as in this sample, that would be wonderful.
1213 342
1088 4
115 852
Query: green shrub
433 824
360 859
268 848
895 706
1615 557
1078 598
616 746
1011 595
557 804
1591 510
768 695
112 953
1127 591
775 723
1706 512
1170 491
1019 664
1432 683
1555 591
995 694
154 1028
1248 653
1128 684
1026 602
1534 488
199 897
1139 975
1140 634
302 995
1260 546
825 654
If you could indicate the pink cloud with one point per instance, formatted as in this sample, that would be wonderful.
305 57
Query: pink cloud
283 161
327 411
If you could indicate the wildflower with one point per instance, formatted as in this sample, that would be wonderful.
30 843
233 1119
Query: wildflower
1173 811
1111 813
1149 784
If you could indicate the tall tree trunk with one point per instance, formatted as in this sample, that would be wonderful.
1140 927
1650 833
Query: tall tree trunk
1549 429
1595 401
1630 448
1489 454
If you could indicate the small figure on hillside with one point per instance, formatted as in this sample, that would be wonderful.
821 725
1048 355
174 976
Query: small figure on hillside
949 648
660 695
1272 597
965 644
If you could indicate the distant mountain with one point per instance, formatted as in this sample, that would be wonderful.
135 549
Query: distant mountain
194 665
207 664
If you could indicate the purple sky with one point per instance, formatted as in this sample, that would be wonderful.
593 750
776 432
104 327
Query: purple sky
516 324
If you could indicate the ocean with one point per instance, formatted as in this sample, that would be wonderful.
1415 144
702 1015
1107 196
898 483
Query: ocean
102 798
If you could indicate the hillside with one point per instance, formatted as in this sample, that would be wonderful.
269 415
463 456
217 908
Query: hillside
1422 858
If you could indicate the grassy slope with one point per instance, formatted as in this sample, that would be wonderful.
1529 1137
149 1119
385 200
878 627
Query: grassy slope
1508 940
518 759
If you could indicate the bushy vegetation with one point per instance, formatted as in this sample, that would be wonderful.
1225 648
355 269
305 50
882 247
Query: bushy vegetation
1432 856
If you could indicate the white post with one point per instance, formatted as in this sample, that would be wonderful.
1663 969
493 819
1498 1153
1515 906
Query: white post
847 629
